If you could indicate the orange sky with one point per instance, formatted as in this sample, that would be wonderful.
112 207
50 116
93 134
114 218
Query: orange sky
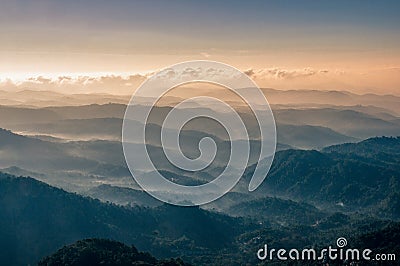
284 45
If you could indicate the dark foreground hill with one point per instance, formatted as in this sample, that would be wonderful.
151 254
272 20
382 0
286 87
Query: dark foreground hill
104 252
36 219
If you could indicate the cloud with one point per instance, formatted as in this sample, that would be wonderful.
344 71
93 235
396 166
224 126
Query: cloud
39 80
126 84
377 80
279 73
196 73
112 84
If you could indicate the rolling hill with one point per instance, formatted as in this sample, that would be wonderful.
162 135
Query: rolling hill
44 218
362 176
103 252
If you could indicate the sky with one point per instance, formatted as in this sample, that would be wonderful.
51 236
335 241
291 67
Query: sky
325 45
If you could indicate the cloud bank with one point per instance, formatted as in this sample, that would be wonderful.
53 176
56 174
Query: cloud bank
110 84
279 73
372 81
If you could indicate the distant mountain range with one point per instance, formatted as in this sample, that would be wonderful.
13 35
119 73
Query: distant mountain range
309 126
348 122
303 98
310 137
305 119
338 98
35 98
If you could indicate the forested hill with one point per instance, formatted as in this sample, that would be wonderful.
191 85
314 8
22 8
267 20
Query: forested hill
106 253
362 176
37 219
